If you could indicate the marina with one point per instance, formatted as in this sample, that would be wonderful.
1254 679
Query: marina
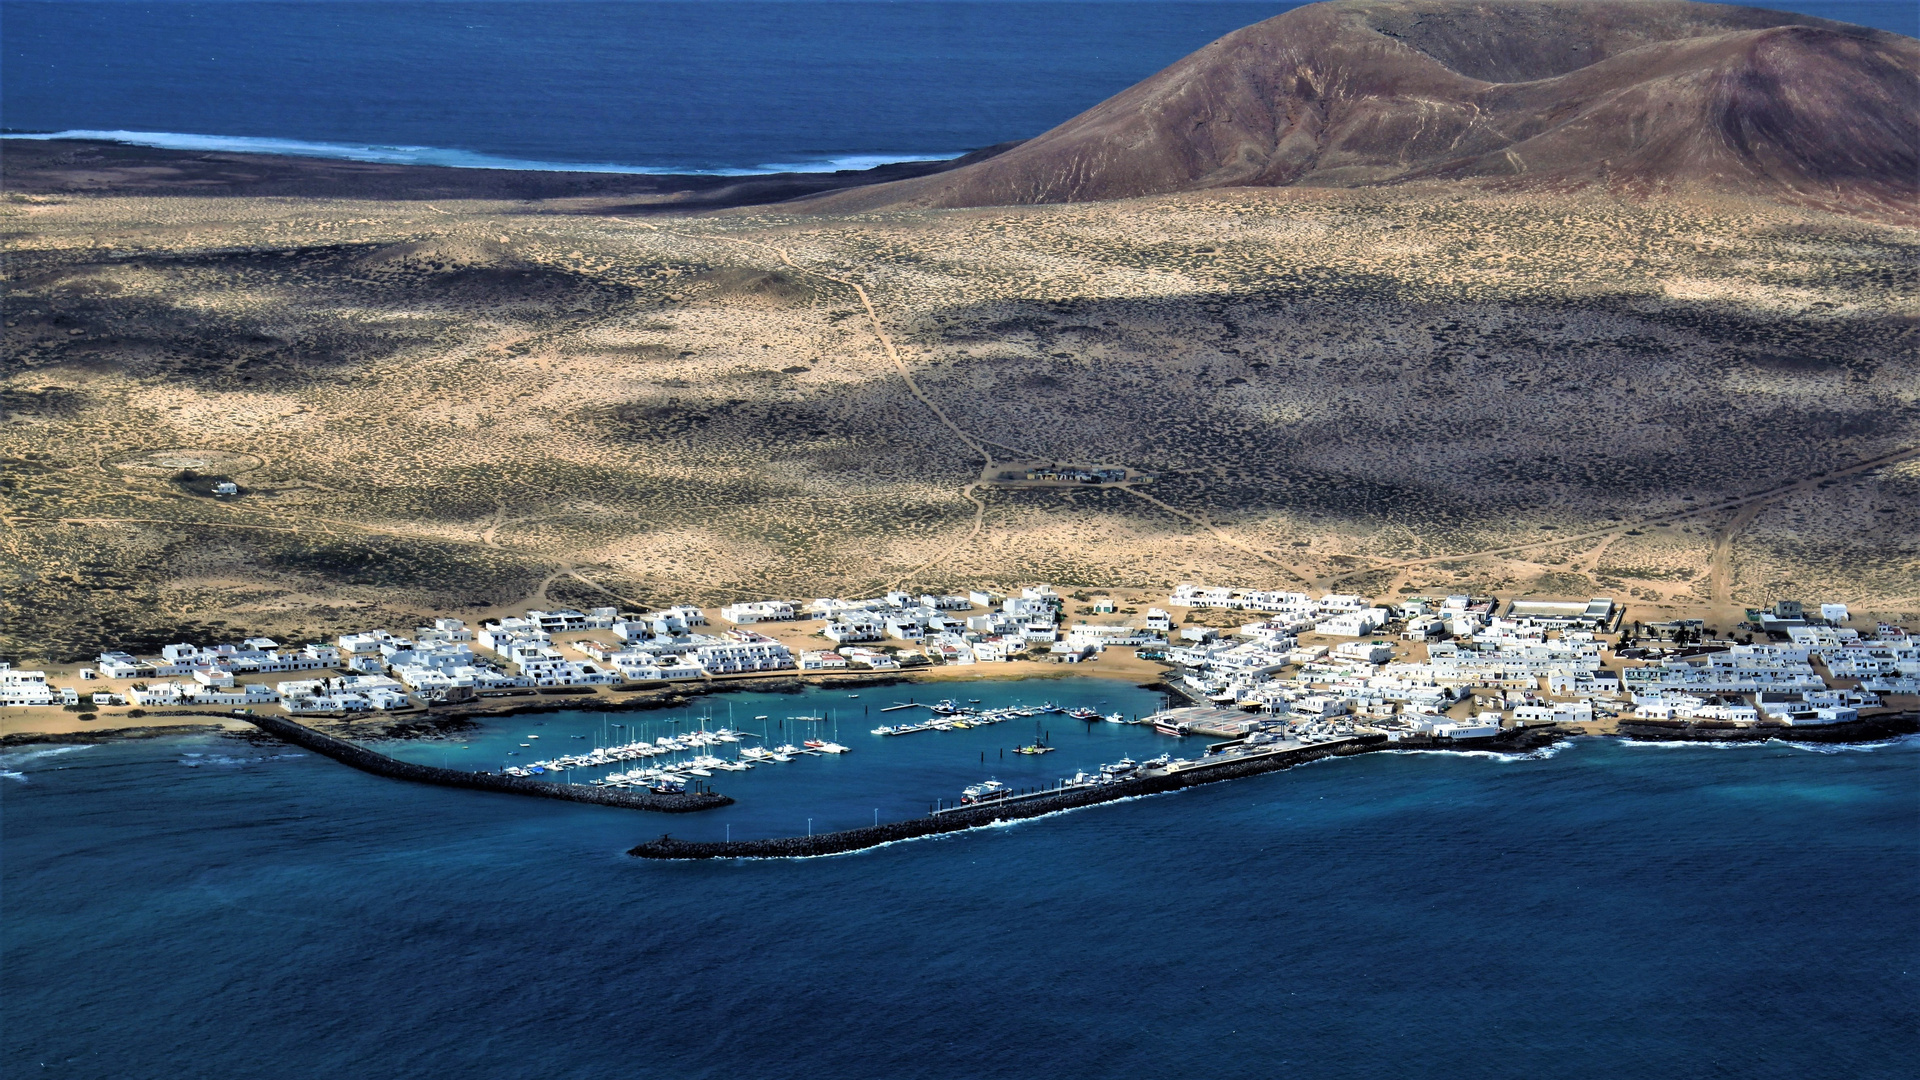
878 777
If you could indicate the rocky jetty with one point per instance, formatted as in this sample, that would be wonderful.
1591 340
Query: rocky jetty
381 765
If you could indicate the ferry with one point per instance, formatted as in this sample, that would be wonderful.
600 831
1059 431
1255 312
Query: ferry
985 791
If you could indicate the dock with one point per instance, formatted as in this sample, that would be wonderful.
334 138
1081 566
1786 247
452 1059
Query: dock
1211 720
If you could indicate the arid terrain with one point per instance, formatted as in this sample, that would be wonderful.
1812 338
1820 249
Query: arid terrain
463 406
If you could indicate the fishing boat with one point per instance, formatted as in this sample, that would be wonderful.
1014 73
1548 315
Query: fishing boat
1083 713
984 791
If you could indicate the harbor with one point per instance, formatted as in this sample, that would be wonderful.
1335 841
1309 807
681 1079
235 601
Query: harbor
877 779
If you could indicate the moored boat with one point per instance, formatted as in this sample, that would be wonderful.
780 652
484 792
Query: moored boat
984 791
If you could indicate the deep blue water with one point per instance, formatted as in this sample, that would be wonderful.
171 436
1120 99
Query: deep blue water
706 85
1606 910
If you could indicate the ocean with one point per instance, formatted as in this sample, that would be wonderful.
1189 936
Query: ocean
702 86
204 907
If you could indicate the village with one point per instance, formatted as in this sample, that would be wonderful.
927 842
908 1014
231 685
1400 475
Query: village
1456 667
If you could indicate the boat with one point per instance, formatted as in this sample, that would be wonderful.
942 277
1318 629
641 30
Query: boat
962 725
984 791
944 707
761 717
833 748
970 701
853 695
814 744
1035 750
1116 718
1123 767
886 729
1083 713
1048 707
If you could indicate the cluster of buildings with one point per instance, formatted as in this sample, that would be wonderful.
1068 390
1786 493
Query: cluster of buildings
943 627
1406 666
1533 662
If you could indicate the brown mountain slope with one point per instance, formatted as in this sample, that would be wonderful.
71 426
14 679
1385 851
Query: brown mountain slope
1636 95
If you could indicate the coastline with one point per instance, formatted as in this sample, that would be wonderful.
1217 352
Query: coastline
39 166
55 725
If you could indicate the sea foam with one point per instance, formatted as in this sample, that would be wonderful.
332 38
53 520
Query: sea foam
385 154
12 764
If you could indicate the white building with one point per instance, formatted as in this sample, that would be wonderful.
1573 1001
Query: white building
24 687
759 611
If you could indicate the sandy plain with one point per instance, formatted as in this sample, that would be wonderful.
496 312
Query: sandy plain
467 407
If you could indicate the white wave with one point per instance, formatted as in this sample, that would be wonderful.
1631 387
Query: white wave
1722 744
1537 754
385 154
1851 747
10 764
194 761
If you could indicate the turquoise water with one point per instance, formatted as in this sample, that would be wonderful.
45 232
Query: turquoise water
201 907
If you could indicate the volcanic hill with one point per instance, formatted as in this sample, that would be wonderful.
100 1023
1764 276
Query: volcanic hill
1635 96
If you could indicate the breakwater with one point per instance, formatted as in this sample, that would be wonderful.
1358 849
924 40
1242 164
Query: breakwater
835 843
379 764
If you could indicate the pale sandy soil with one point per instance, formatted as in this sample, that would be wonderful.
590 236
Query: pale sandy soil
1692 407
